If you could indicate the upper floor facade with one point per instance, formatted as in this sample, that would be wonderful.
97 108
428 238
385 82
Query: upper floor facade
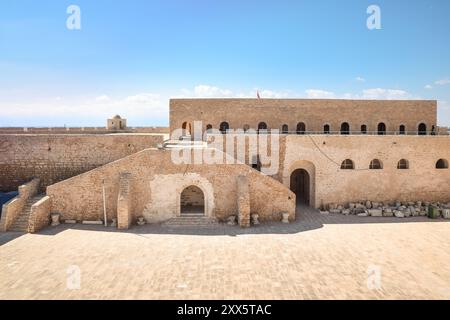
307 116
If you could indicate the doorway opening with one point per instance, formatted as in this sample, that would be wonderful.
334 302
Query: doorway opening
192 201
300 185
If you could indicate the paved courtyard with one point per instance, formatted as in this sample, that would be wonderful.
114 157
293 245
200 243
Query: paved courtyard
317 257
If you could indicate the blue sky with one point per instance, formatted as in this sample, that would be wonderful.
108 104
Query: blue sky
131 56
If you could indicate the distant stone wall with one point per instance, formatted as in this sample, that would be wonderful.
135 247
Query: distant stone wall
80 130
156 184
53 158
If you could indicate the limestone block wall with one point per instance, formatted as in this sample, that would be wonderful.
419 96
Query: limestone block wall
40 215
244 204
156 187
80 130
314 113
321 157
124 218
14 207
53 158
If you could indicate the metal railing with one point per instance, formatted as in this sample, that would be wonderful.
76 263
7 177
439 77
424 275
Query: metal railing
352 133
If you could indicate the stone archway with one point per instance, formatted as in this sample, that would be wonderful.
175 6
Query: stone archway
300 185
192 201
305 173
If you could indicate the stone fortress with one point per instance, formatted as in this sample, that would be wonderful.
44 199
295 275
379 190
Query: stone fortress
379 158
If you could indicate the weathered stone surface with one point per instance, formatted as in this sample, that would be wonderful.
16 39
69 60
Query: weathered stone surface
446 213
376 212
346 212
231 221
255 219
388 212
364 214
56 157
243 201
399 214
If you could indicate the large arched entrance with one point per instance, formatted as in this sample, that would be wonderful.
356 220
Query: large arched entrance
300 185
192 201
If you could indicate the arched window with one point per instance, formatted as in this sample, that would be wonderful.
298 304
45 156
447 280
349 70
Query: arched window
422 129
246 127
375 164
381 129
224 126
326 129
364 129
186 129
285 129
402 129
262 126
442 164
345 128
347 165
301 128
403 164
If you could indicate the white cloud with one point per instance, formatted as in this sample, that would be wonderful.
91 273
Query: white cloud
442 82
360 79
208 91
143 98
102 98
143 104
428 87
319 94
269 94
386 94
367 94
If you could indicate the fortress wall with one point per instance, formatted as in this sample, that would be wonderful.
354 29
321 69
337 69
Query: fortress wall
156 184
315 113
322 156
81 130
53 158
422 181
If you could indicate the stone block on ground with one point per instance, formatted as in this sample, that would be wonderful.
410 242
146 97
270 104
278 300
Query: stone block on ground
376 212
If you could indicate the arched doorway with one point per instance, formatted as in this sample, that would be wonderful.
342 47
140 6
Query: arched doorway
262 127
345 128
381 129
422 129
192 201
300 185
224 127
301 128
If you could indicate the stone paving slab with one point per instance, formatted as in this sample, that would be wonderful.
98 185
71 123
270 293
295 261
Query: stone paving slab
317 257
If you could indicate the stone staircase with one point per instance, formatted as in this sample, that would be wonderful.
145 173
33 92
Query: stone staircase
20 224
192 220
